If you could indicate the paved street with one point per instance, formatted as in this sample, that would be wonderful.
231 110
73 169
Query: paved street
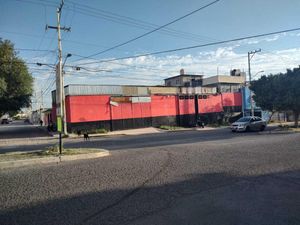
35 139
20 130
191 177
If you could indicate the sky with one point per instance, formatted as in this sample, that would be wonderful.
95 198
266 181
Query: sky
99 25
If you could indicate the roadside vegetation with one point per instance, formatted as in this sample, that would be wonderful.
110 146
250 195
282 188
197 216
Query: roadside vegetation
16 83
279 92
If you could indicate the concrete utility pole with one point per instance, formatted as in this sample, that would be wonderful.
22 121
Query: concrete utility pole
41 105
250 55
60 97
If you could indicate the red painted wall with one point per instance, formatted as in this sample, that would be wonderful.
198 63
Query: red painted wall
164 105
53 113
97 108
87 108
186 106
213 103
122 111
130 110
232 99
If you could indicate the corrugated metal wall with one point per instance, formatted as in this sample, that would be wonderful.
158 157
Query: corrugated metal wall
93 90
164 90
116 90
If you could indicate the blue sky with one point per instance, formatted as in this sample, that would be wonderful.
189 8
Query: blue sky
97 25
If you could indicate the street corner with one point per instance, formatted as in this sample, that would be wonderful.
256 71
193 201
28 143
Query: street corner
16 160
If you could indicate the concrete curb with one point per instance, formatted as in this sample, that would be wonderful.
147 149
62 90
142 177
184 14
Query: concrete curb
51 159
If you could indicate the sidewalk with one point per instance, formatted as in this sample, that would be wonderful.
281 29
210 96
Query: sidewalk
139 131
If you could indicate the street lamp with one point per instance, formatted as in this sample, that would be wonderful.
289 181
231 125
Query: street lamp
67 56
258 73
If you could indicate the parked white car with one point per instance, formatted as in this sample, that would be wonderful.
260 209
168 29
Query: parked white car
249 123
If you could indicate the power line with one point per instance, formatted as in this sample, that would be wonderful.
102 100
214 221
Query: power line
194 46
52 38
34 50
156 29
135 67
125 20
121 19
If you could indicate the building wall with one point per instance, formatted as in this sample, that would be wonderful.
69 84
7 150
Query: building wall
116 113
180 81
224 79
87 108
210 104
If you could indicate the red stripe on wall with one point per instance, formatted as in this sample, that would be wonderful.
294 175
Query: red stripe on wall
213 103
53 113
131 110
232 99
186 106
87 108
164 105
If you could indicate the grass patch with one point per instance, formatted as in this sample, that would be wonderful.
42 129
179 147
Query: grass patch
164 127
49 152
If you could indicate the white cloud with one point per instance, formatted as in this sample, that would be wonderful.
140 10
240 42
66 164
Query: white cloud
151 70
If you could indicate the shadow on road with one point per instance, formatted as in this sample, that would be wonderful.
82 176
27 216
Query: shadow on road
213 198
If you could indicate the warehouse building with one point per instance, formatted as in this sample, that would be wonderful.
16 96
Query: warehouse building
114 107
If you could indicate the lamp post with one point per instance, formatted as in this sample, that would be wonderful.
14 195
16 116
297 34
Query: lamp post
258 73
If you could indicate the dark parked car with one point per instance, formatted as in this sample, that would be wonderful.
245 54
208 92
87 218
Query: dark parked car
249 123
4 121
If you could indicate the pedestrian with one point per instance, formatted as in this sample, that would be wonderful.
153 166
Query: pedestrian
41 122
86 136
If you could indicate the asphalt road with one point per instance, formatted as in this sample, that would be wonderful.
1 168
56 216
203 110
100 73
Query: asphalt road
34 143
19 130
192 177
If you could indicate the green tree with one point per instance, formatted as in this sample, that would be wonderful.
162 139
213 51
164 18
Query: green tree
279 92
16 83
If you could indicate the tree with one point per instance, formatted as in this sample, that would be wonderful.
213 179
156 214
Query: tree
279 92
16 83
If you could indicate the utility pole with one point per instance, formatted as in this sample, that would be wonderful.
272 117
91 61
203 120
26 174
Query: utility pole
60 97
250 55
